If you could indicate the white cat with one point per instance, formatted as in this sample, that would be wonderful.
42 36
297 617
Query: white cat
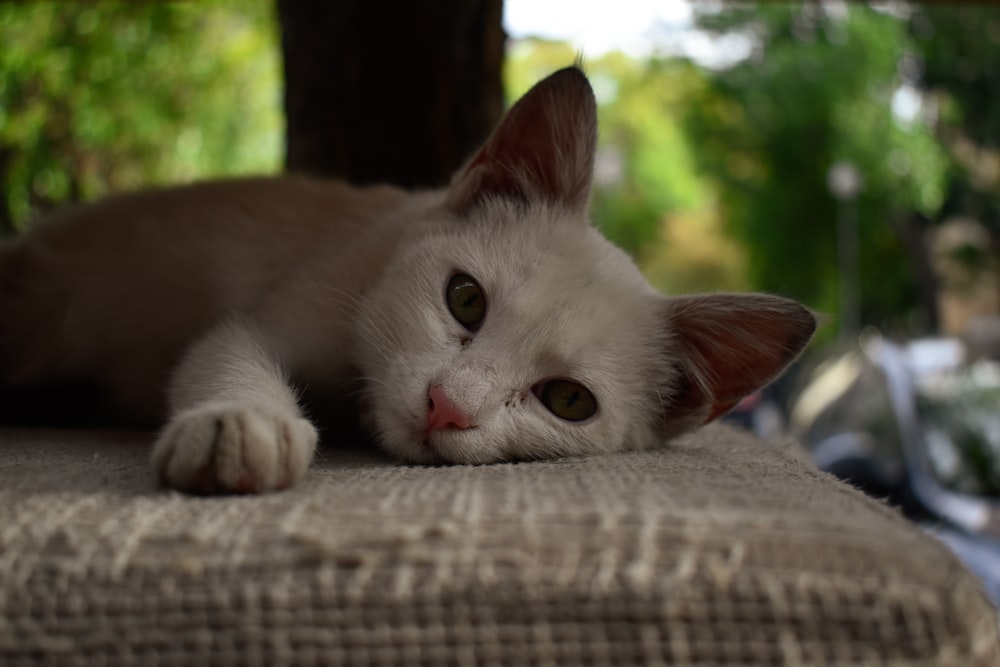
486 322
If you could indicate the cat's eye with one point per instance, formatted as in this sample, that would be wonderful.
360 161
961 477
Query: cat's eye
466 300
567 399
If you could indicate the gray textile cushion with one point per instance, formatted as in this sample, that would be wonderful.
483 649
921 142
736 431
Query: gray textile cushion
717 550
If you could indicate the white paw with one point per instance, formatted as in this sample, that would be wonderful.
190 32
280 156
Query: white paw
233 448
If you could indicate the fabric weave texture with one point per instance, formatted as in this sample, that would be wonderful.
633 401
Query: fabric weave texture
718 549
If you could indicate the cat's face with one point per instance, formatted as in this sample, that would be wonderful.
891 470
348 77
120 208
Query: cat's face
509 328
538 330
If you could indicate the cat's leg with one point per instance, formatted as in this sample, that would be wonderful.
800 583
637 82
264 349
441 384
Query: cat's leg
236 426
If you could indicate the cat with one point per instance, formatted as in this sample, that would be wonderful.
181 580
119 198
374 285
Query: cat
488 321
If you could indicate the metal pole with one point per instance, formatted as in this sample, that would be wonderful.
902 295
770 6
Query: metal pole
850 279
844 182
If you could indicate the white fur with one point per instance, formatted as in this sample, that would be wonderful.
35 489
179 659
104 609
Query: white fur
236 423
245 292
563 302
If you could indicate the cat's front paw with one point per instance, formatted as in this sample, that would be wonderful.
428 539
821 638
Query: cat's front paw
233 448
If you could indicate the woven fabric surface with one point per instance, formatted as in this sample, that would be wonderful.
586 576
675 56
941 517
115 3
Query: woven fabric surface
716 550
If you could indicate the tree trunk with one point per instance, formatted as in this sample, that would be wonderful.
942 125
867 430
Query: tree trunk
7 227
398 91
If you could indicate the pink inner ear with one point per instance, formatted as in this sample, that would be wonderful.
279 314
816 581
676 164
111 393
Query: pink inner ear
732 345
543 149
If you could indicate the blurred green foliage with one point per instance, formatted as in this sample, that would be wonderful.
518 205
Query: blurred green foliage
960 73
649 197
712 177
99 97
818 89
723 171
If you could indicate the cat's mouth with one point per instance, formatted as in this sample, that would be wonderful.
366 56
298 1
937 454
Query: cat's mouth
440 447
430 453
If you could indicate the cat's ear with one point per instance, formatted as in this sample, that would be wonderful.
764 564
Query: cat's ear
542 150
730 345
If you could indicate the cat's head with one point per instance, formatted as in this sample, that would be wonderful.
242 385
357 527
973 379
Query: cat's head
512 329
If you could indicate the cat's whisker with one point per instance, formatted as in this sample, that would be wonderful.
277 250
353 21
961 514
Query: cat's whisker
659 396
370 381
488 288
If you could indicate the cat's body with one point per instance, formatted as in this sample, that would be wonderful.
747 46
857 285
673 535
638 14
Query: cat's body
113 293
488 321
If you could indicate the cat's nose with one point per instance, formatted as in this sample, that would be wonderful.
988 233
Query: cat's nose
442 413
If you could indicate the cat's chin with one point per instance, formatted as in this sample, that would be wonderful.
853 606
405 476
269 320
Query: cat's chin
426 452
440 448
422 453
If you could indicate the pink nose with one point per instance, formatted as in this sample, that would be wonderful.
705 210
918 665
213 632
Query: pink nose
442 413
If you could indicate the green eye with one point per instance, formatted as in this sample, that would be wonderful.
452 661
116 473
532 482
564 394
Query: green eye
466 300
567 400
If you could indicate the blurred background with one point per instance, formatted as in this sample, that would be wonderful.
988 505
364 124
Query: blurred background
843 154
